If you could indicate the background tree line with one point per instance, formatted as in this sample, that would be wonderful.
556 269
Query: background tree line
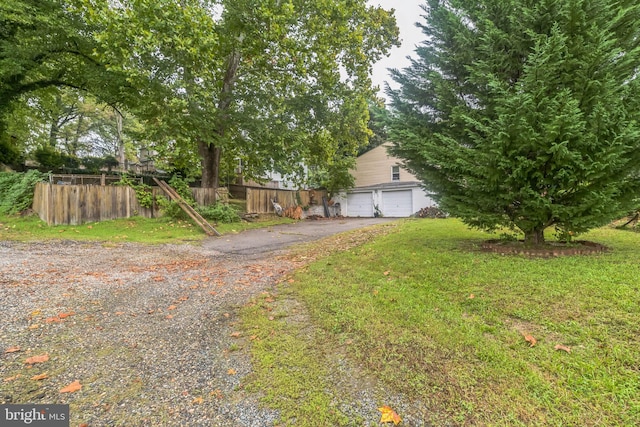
279 85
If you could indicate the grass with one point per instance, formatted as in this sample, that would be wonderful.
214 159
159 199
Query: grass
429 315
293 362
136 229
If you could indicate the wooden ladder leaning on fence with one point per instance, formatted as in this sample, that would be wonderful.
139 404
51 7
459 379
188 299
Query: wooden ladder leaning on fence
208 228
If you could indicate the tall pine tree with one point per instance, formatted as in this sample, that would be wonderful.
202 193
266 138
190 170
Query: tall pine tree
524 113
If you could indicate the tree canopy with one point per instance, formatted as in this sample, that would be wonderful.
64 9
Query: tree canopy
44 44
276 84
524 113
279 84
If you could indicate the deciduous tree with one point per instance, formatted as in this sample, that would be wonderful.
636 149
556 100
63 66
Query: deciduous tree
275 83
46 43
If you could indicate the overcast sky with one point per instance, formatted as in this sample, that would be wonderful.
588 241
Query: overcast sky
408 12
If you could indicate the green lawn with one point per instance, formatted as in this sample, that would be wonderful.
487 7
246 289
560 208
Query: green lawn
136 229
431 316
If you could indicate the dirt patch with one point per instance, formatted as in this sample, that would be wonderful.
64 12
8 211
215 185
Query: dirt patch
548 250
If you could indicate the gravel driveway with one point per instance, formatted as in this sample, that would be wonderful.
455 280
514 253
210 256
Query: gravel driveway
148 331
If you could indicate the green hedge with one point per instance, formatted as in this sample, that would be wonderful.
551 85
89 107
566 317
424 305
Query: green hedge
16 190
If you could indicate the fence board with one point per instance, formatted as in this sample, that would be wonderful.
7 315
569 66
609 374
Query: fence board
259 199
78 204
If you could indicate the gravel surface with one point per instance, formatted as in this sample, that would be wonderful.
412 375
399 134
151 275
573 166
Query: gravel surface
150 332
147 330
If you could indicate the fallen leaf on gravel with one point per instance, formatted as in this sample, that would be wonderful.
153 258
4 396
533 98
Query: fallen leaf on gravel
74 386
169 316
40 377
65 315
226 315
183 298
389 415
37 359
217 393
12 349
563 348
172 307
9 379
119 313
231 371
236 334
198 401
531 340
34 326
54 319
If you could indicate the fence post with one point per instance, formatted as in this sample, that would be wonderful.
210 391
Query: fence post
49 204
128 201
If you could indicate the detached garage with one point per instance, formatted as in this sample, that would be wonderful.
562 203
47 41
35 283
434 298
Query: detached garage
383 187
399 200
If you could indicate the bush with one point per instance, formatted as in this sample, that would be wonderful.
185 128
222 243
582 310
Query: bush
181 185
9 154
16 190
219 212
171 209
49 158
144 194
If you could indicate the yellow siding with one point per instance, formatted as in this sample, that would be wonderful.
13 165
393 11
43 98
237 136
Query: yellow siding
374 167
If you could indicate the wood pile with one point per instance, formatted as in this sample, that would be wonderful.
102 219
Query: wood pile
293 212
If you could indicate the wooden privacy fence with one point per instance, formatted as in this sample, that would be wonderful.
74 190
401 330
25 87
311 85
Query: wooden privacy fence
259 199
77 204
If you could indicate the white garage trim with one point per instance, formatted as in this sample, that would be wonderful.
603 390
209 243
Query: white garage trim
397 204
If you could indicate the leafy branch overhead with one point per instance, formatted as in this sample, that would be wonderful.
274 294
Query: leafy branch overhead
276 84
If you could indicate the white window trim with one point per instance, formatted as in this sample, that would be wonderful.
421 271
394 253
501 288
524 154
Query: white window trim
393 174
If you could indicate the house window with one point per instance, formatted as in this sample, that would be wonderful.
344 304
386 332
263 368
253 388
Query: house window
395 173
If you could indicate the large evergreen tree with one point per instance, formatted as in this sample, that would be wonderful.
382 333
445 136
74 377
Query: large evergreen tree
524 113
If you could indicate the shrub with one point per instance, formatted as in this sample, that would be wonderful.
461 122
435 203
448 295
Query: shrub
219 212
49 158
143 191
16 190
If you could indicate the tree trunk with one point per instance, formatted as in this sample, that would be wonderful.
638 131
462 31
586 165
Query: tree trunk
534 237
54 131
210 157
120 141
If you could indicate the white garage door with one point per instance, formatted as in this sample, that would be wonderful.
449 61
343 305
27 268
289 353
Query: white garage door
360 204
397 203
